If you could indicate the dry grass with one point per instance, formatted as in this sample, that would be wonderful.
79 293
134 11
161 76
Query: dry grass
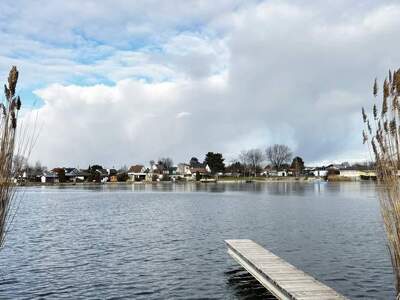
11 146
382 133
335 178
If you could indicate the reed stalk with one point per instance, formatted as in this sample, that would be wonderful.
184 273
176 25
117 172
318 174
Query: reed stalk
382 133
12 146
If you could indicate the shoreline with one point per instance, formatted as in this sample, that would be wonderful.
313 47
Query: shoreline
220 181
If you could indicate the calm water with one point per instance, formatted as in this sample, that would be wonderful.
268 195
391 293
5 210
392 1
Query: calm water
166 241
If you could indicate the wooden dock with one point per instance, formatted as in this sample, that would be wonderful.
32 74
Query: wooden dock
282 279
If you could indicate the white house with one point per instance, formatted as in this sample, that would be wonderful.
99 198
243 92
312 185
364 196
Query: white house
137 173
356 174
350 173
320 173
282 173
184 170
48 176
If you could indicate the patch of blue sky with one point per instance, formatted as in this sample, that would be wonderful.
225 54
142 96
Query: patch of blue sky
89 80
146 79
29 98
190 27
20 54
199 29
89 50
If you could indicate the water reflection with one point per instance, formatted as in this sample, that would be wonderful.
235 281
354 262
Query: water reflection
245 286
269 188
165 240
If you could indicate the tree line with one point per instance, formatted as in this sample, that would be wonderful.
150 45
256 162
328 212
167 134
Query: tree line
249 162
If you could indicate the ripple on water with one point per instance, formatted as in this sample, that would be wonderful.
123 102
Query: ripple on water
166 241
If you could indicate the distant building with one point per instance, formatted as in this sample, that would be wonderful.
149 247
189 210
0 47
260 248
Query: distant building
184 170
112 175
355 173
137 173
71 174
202 169
49 177
282 173
320 172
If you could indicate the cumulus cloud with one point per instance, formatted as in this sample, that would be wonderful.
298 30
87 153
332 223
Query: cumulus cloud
200 77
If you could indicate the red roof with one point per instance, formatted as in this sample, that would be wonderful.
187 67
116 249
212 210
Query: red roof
136 169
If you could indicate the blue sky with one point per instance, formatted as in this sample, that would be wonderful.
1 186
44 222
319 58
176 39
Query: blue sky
138 80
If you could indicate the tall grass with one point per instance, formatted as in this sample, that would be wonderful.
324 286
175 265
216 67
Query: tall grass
10 107
382 134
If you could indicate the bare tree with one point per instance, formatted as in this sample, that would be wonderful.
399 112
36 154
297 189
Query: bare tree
20 163
38 167
123 169
244 161
255 158
278 155
166 162
252 159
152 163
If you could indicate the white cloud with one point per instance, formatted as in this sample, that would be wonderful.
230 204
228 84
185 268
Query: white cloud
182 114
248 74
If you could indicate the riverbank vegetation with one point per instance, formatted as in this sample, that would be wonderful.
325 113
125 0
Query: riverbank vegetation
9 113
251 165
382 134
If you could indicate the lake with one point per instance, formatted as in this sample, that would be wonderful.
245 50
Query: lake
166 241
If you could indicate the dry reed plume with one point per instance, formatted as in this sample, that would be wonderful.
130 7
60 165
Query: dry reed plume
10 150
382 133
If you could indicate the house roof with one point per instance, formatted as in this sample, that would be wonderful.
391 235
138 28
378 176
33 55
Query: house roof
49 174
136 169
71 170
200 170
198 165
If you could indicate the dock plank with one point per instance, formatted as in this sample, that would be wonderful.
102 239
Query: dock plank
282 279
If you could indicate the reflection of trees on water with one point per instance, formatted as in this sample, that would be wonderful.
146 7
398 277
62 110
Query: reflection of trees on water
282 188
272 188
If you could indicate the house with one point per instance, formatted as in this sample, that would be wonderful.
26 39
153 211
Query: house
71 173
308 171
350 172
320 172
173 171
267 171
272 172
174 174
282 173
184 169
137 173
82 175
357 173
112 175
49 177
201 169
32 175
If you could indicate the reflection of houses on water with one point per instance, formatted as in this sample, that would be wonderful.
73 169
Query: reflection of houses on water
319 186
358 174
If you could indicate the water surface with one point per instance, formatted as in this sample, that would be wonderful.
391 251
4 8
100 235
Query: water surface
166 241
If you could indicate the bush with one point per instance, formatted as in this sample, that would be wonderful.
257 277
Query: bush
122 177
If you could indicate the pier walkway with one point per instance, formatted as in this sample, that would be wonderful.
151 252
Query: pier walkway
282 279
